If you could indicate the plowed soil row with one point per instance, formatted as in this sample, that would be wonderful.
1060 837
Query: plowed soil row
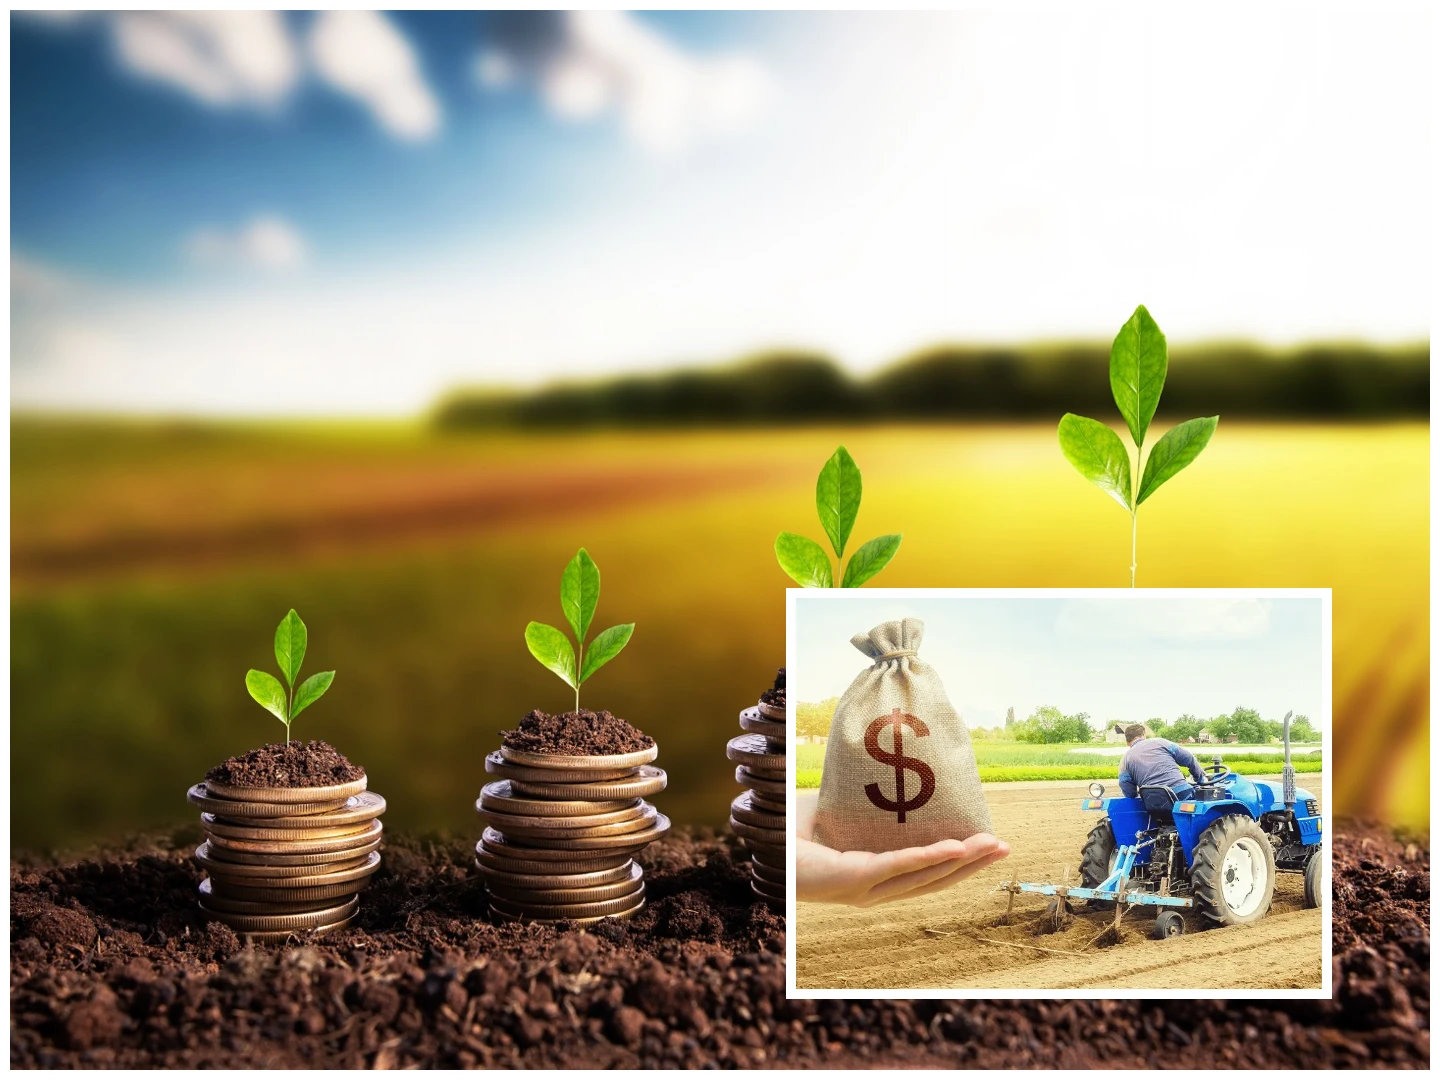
951 940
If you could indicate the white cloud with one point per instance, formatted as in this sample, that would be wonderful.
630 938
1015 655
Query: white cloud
608 61
1218 619
32 280
265 243
361 53
224 58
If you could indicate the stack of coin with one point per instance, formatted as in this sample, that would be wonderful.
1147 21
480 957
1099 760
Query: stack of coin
561 831
758 814
284 860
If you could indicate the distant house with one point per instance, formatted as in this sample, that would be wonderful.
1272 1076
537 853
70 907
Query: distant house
1205 736
1232 738
1115 733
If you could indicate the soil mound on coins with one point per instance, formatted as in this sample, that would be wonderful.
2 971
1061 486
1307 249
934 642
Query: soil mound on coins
576 733
111 966
776 694
292 764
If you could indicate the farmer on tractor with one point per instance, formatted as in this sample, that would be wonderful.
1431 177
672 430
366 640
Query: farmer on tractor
1156 762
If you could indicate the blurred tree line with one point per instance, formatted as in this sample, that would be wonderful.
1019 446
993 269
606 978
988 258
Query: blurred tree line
1048 724
1335 381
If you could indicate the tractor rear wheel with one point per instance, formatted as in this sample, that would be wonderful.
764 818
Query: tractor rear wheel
1097 861
1312 880
1233 871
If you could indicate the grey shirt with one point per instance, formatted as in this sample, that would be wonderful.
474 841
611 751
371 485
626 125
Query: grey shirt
1156 762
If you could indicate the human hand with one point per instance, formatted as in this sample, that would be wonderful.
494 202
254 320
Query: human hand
866 878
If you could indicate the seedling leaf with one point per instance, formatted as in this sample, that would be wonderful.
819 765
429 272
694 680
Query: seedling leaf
870 559
804 560
1176 449
1138 362
266 689
837 498
553 649
1097 454
290 639
580 592
311 691
605 647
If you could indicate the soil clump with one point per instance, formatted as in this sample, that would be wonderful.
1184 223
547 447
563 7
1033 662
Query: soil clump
582 733
776 694
292 764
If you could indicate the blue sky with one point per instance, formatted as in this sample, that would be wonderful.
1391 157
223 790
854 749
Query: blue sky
349 213
1122 659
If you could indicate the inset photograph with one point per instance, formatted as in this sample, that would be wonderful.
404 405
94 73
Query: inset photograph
1054 793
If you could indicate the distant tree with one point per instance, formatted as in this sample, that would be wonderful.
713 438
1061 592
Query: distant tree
1047 724
1274 729
1248 726
1158 726
1185 727
813 719
1010 717
1301 730
1220 727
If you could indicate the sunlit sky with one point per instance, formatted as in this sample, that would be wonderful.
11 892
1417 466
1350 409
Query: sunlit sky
348 213
1116 659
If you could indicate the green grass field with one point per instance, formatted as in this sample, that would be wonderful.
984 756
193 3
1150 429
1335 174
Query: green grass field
150 564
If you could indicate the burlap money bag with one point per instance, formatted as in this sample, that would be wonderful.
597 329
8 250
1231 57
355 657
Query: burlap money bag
899 768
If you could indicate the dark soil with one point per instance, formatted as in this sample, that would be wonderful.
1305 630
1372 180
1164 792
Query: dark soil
110 966
776 694
292 764
576 733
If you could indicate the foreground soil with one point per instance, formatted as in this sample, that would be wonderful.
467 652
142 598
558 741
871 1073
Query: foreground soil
111 967
951 940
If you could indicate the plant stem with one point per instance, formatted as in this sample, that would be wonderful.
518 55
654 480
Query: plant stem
1135 511
1134 529
579 662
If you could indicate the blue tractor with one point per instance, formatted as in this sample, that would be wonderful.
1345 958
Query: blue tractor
1217 851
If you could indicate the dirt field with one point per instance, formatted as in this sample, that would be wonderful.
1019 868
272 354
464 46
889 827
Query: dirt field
888 947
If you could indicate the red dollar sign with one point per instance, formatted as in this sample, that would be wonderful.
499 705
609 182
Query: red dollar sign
899 720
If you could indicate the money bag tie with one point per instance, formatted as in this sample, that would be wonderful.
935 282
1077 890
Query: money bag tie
899 768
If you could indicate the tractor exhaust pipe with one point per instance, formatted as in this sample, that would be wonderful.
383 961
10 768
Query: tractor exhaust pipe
1287 775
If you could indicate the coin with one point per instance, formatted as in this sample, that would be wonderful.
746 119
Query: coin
771 712
310 860
267 833
773 854
743 808
329 793
220 843
295 898
223 870
556 880
300 921
497 765
583 762
597 909
771 862
763 801
752 720
501 797
757 782
630 842
764 873
279 937
522 829
257 877
753 751
767 890
224 902
513 824
237 808
504 917
628 886
511 861
773 837
646 780
358 809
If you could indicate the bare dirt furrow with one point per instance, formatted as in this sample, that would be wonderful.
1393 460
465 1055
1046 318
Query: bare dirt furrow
952 939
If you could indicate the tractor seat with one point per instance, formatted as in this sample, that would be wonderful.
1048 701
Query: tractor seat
1159 800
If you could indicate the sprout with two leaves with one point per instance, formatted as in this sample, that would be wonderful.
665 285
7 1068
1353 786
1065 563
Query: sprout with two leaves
579 593
837 498
1138 363
288 701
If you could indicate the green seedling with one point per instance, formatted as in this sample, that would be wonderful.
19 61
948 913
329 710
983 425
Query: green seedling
288 701
579 593
837 498
1138 363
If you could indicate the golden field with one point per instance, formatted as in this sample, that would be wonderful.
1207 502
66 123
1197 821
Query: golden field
150 563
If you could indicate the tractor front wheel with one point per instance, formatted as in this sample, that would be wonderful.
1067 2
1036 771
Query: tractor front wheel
1097 861
1312 879
1233 871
